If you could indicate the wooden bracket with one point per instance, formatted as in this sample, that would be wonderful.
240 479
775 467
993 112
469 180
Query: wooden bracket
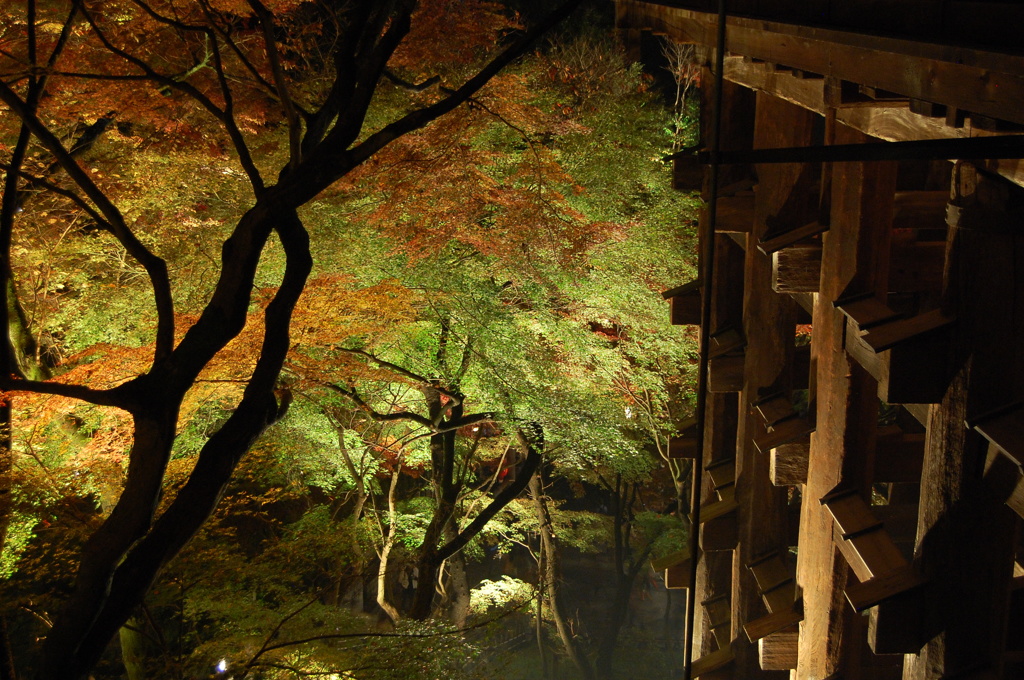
685 303
719 614
777 586
774 408
888 335
735 214
670 560
725 373
687 173
786 238
726 340
772 623
783 433
866 311
879 566
677 577
719 658
684 444
1004 429
722 473
909 357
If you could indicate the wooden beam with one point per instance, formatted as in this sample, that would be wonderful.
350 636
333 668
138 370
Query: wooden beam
788 463
678 576
685 303
779 651
898 455
796 269
985 82
893 123
916 267
725 373
735 214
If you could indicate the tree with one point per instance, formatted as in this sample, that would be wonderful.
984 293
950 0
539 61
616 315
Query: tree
234 62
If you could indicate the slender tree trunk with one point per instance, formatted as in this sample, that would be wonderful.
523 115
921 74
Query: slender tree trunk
385 551
133 649
7 671
552 579
539 618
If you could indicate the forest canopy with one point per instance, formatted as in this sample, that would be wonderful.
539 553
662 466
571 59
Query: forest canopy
334 331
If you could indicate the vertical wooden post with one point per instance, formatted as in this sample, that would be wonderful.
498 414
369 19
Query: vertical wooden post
965 537
714 568
855 252
783 194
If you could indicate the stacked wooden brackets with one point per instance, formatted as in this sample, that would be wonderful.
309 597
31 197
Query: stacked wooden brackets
719 617
783 424
718 518
1004 463
777 586
908 356
884 575
725 371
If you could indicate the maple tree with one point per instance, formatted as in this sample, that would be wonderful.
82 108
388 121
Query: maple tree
200 75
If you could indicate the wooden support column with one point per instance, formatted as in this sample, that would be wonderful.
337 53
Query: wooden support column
783 194
714 568
965 534
855 252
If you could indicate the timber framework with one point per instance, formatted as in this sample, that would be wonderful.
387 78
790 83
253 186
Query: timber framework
860 438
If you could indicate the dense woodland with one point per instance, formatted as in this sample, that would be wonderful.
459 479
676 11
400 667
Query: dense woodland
335 335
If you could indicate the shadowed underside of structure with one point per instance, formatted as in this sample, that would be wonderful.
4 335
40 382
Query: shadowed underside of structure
862 485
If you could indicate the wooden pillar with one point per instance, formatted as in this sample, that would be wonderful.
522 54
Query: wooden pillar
965 536
714 568
783 194
845 403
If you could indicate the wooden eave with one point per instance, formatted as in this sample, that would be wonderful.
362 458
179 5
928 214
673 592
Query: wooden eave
978 81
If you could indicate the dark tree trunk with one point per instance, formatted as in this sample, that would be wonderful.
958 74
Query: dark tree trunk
125 555
552 578
627 567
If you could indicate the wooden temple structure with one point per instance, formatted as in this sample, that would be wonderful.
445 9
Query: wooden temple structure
862 317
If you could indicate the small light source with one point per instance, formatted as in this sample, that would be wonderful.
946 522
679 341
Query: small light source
476 429
222 665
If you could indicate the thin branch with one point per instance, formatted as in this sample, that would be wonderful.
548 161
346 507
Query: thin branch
454 396
155 267
405 84
443 633
294 124
376 415
222 115
115 396
41 183
328 152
